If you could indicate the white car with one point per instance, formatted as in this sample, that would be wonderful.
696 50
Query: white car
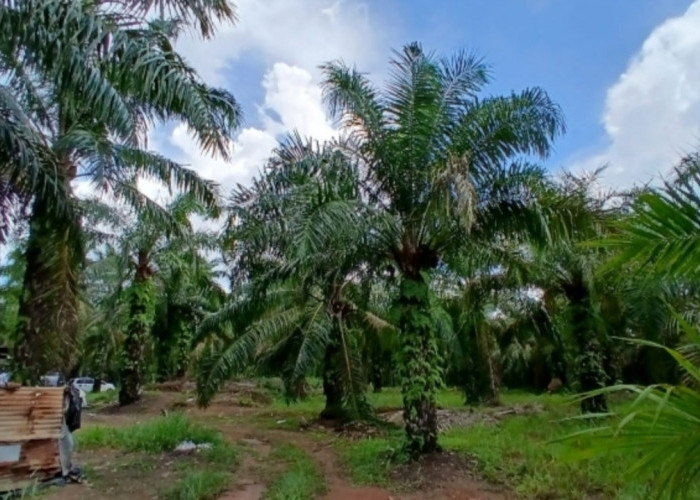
87 383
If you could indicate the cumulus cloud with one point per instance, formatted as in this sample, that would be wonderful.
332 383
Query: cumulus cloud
292 102
652 113
291 38
303 33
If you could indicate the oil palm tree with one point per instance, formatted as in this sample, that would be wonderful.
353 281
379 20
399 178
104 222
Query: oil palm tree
299 234
660 239
153 253
82 83
439 163
188 291
586 301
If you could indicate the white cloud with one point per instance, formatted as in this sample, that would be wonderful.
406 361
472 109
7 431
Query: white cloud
292 102
291 38
652 113
302 33
291 92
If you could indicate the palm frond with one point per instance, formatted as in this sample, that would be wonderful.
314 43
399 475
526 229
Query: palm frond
351 97
205 15
498 128
663 233
217 364
661 426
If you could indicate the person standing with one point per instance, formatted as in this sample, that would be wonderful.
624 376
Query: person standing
72 407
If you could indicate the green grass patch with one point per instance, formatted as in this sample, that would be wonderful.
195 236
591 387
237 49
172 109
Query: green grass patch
203 475
518 453
390 397
198 485
515 452
153 436
301 478
310 406
100 399
369 461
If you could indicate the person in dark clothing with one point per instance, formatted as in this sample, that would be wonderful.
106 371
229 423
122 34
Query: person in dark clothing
72 407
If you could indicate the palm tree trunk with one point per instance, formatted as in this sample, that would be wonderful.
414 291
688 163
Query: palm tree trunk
332 383
48 309
592 376
591 368
420 372
377 362
184 350
141 305
482 377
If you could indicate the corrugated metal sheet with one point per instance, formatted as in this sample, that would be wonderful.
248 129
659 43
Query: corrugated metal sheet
30 413
30 416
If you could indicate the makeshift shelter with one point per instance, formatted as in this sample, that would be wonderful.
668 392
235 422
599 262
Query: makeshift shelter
30 424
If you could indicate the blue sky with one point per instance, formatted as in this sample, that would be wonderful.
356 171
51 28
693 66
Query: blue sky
574 49
626 72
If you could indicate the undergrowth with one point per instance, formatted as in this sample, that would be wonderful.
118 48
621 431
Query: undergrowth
102 398
514 452
198 485
153 436
301 478
203 475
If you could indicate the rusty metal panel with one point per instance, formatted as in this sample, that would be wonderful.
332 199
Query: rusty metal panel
30 413
30 417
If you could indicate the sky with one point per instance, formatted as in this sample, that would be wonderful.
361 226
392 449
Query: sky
625 72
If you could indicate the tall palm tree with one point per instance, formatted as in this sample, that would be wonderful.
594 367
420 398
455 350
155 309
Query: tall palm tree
103 313
437 163
188 291
11 273
305 267
152 252
659 240
569 273
82 83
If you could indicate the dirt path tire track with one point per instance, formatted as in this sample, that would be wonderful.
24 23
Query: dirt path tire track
250 480
338 486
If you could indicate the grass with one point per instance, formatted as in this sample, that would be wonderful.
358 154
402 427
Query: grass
154 436
198 485
301 478
515 452
99 399
203 476
369 461
389 397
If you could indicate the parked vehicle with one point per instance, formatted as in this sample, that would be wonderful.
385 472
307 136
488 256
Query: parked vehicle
87 383
5 378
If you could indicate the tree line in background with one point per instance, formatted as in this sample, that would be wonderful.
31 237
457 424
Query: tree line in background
425 246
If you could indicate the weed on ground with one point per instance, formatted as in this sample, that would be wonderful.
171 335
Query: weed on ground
198 485
150 445
300 479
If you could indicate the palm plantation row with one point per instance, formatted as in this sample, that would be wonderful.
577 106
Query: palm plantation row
425 245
